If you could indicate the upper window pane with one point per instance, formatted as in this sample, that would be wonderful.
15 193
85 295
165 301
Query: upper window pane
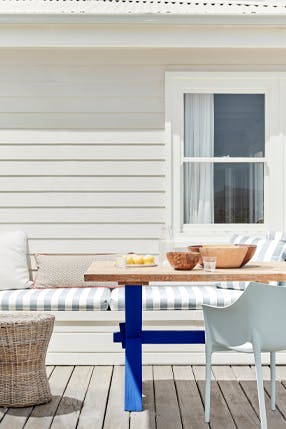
224 125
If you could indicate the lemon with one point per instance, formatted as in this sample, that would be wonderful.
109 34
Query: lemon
129 259
138 259
149 259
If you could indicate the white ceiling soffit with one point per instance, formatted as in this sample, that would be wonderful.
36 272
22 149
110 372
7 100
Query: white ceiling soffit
141 7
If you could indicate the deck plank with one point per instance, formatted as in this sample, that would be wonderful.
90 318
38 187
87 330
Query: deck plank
173 397
71 403
280 397
247 380
93 411
220 415
190 403
281 372
239 406
167 409
147 418
115 414
42 415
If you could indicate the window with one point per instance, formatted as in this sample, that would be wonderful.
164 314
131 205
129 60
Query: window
223 148
218 127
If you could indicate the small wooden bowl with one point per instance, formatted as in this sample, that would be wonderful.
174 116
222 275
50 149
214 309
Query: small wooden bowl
183 260
226 256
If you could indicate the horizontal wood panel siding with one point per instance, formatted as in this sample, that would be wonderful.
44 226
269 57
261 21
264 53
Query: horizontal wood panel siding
83 199
85 95
82 151
89 246
79 192
105 88
82 168
95 214
82 184
90 231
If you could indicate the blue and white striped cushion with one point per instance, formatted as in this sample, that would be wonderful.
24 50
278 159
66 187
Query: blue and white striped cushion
177 297
267 250
60 299
277 235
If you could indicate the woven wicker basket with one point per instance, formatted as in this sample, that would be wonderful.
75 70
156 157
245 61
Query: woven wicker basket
24 339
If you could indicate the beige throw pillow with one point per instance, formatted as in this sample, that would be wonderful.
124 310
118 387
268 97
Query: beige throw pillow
57 271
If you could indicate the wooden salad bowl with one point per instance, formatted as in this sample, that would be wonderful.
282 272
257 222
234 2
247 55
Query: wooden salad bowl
251 248
227 255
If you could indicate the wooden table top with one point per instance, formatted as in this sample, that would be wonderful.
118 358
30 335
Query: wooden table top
255 271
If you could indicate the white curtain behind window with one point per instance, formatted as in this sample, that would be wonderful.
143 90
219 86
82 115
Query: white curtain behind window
199 141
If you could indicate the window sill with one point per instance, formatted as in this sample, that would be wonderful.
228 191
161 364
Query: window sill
215 233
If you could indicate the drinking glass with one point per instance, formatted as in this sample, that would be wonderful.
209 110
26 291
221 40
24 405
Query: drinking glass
209 263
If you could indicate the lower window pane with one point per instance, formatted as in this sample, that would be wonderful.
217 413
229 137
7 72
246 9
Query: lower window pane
223 193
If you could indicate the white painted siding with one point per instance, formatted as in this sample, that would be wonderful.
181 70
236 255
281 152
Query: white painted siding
78 191
82 162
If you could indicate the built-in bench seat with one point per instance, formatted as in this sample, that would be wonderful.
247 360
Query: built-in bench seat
177 297
86 317
167 297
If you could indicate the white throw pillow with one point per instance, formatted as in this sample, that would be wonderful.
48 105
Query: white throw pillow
14 272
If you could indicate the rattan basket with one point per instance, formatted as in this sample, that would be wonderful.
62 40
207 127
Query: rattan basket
24 339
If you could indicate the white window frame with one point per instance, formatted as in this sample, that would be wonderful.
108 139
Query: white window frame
273 86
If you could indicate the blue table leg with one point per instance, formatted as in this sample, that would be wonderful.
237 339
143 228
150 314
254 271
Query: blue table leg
133 348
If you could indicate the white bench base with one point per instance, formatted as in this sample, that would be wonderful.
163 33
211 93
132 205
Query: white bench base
86 338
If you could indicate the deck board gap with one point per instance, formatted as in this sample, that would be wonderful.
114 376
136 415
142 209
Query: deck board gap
107 398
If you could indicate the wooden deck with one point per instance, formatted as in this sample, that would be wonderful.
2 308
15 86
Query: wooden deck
86 397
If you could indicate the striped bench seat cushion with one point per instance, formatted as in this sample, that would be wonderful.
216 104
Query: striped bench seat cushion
60 299
177 297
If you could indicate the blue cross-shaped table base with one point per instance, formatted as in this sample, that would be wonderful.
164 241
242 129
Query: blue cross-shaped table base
131 336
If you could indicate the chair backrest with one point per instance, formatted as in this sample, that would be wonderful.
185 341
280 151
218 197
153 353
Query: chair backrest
259 314
267 314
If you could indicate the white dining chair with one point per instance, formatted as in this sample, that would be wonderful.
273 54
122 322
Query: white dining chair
254 323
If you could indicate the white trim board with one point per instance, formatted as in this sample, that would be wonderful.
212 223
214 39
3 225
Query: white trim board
142 35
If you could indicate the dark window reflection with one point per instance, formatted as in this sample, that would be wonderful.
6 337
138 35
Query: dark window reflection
238 193
239 125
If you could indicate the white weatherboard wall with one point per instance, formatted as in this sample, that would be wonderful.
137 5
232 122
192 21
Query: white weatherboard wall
83 191
82 141
82 165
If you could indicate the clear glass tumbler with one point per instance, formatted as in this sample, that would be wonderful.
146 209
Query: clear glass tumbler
209 263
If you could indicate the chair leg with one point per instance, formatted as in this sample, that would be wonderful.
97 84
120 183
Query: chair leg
208 383
259 379
273 379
